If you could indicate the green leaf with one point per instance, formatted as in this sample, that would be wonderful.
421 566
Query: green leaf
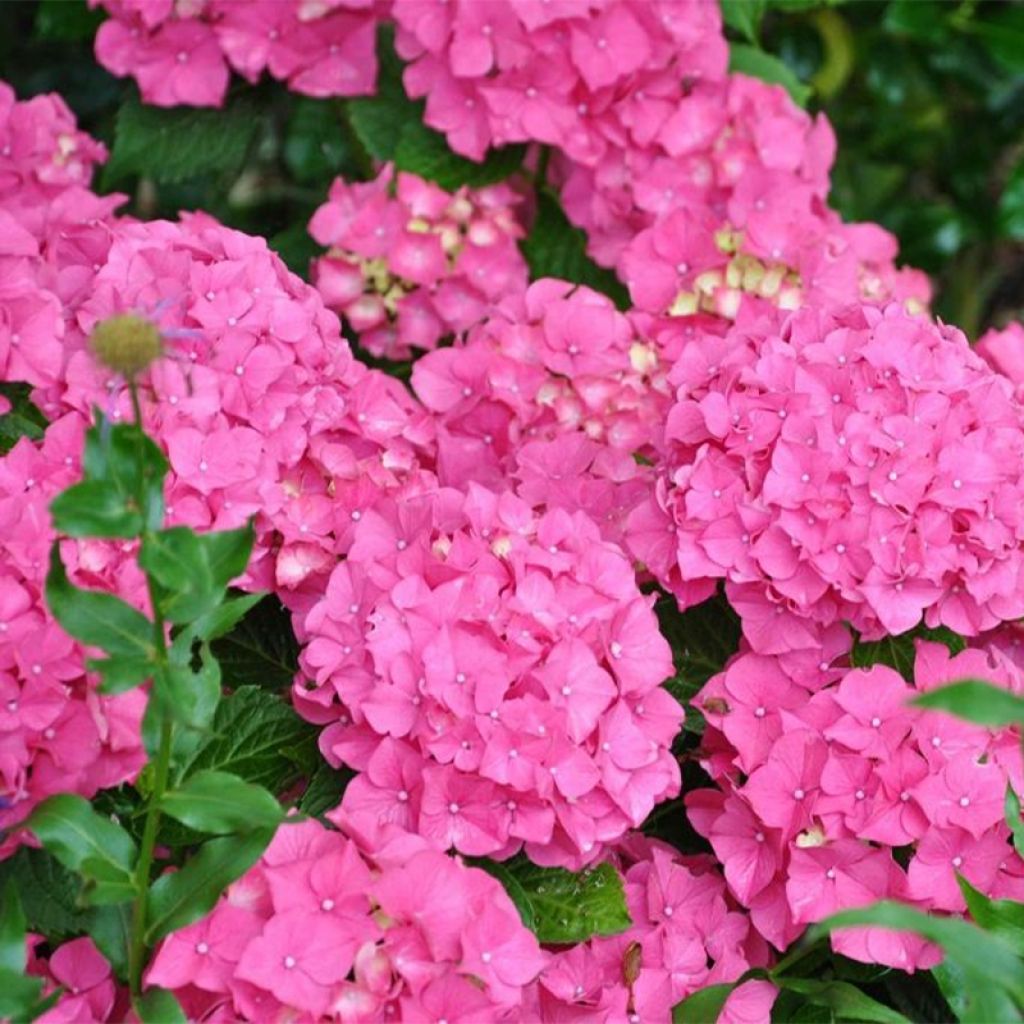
19 995
261 650
423 151
315 148
99 620
110 928
66 20
24 419
120 673
975 701
377 121
179 898
92 509
224 618
1002 34
1013 819
221 803
987 959
105 883
1004 918
176 560
845 1001
749 60
972 1004
189 695
49 893
84 841
570 907
325 790
1011 204
227 552
250 731
744 17
177 143
899 652
13 926
158 1006
702 1006
554 248
924 20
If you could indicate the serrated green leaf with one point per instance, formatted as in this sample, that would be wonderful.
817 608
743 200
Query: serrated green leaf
324 790
744 17
158 1006
224 618
221 803
899 652
975 701
554 248
749 60
261 650
49 893
172 144
100 620
315 148
179 898
23 420
250 731
513 889
570 907
86 842
423 151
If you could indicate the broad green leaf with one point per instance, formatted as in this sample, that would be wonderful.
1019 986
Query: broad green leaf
224 618
121 673
1004 918
315 147
845 1001
110 928
13 926
749 60
158 1006
64 21
972 1003
221 803
20 994
1013 819
975 701
176 560
177 143
227 552
105 883
49 893
24 418
422 151
570 907
554 248
100 620
704 1005
988 959
899 652
84 841
744 17
377 121
93 509
249 733
324 790
189 695
179 898
261 650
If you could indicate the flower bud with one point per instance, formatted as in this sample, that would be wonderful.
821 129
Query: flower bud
126 343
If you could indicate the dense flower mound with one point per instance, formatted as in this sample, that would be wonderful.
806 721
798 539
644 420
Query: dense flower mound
319 931
711 147
780 247
494 675
854 464
57 734
686 934
406 271
1004 351
822 783
572 75
183 51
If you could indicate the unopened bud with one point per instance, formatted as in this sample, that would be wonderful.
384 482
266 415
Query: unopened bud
126 343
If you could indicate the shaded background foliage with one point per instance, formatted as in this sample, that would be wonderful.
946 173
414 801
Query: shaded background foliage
926 96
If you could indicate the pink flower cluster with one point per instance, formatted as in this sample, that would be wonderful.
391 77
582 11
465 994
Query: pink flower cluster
409 269
90 992
318 931
822 781
183 51
1004 351
570 74
851 464
686 934
494 675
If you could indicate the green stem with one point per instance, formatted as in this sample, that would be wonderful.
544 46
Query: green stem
137 945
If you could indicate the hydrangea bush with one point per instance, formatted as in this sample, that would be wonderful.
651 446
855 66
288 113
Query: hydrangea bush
577 581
